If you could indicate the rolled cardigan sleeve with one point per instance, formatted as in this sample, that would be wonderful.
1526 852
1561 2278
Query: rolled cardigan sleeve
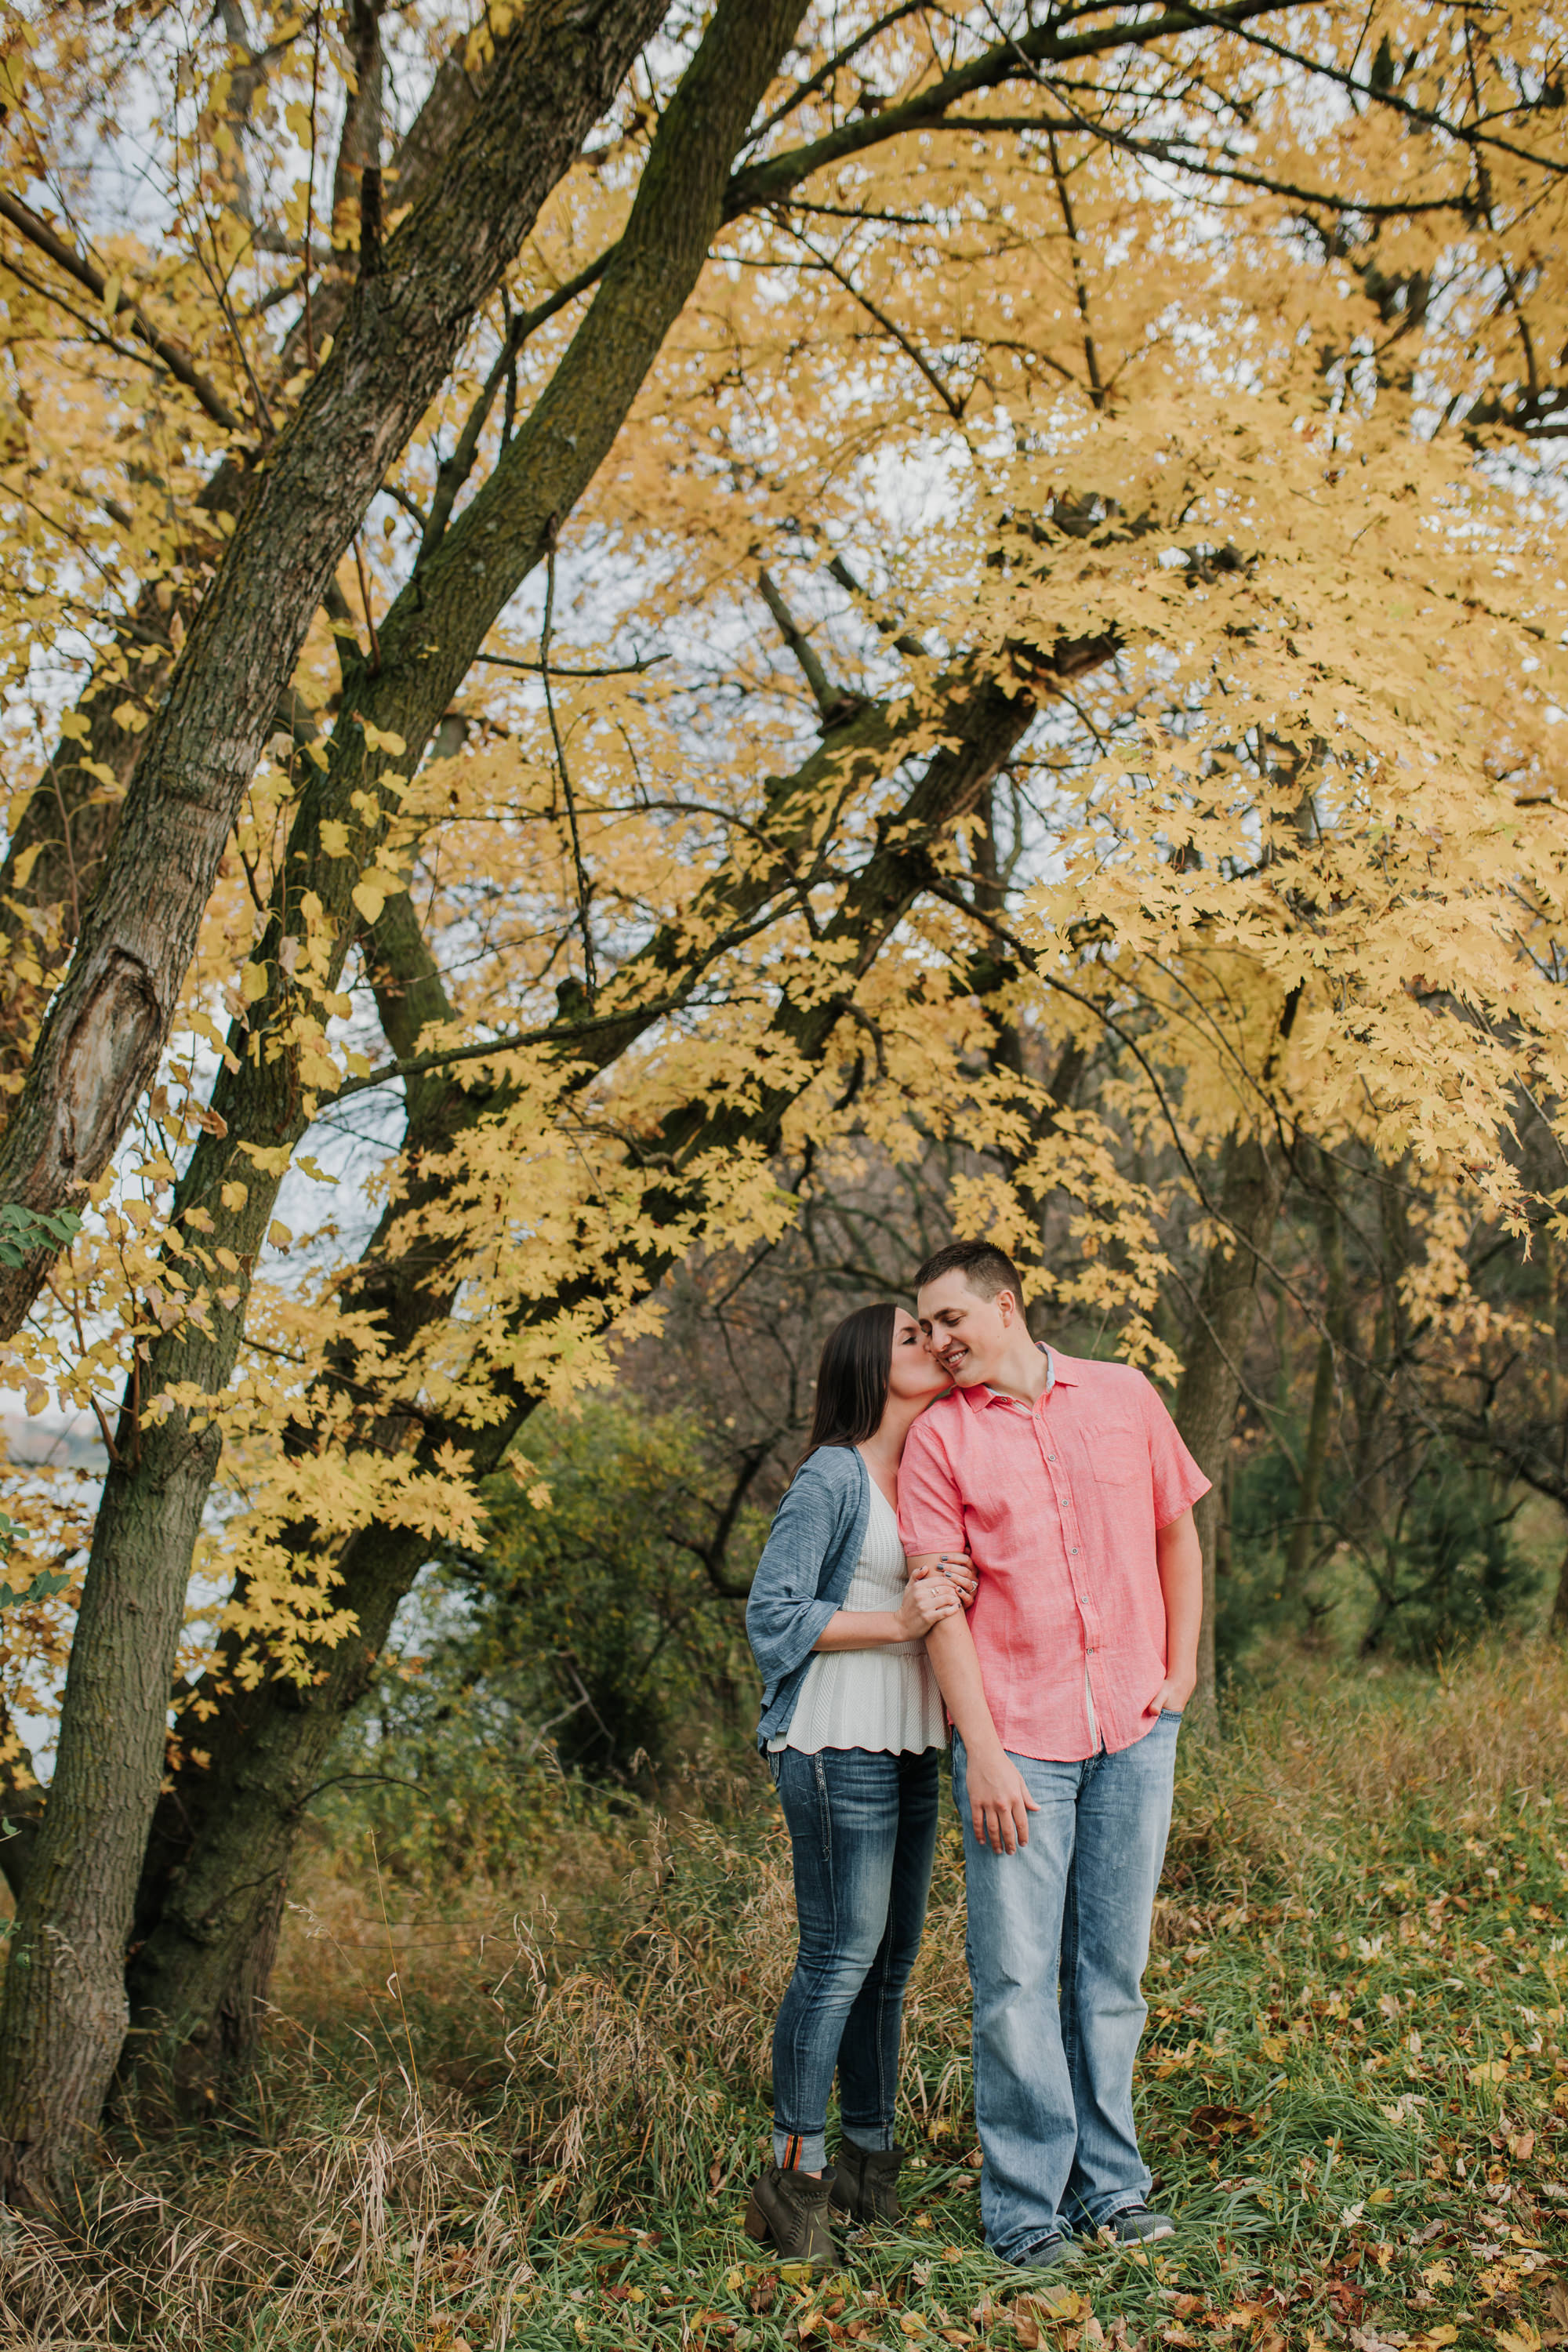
785 1618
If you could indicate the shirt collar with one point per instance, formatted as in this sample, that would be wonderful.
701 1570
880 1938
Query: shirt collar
1057 1371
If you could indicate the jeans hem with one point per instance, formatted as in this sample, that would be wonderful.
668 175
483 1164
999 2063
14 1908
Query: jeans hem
809 2149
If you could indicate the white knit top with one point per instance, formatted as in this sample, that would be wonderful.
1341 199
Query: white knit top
881 1698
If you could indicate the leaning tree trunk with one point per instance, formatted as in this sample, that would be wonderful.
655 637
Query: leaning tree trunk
64 2013
62 841
217 1867
405 322
1250 1192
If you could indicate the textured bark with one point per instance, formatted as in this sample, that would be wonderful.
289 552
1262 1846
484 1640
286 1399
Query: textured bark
1333 1349
1250 1191
64 2012
1315 1454
71 818
402 328
1557 1623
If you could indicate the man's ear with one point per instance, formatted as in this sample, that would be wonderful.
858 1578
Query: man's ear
1007 1305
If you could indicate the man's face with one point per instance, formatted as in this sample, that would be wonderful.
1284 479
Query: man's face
968 1335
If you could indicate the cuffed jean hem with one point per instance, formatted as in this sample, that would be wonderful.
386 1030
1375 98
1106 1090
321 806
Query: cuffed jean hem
874 2138
800 2151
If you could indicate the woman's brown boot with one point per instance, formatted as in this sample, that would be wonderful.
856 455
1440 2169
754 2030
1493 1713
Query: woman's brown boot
790 2209
864 2182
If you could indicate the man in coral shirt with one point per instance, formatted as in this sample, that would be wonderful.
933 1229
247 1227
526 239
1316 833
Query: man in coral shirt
1065 1482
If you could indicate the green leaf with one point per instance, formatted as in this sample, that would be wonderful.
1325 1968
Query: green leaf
44 1586
22 1232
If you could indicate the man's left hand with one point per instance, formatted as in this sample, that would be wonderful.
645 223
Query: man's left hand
1173 1694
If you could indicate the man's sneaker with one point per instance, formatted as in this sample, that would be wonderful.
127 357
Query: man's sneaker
790 2209
1055 2253
1135 2226
864 2182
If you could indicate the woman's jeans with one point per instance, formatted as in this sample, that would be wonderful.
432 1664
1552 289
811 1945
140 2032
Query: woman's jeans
1058 1936
863 1826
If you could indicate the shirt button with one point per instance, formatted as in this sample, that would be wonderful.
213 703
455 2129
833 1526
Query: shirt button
1075 1551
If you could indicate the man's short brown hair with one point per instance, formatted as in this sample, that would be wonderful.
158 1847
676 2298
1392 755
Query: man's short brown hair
984 1266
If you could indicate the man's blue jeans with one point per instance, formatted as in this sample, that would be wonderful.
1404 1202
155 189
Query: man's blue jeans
862 1824
1058 1936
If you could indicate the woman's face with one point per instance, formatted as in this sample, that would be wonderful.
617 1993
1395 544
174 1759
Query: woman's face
914 1372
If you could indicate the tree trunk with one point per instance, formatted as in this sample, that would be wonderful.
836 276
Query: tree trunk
1251 1187
1557 1624
63 2013
62 838
217 1867
404 324
1303 1535
1332 1350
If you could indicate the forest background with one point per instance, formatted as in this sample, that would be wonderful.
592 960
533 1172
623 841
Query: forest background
653 658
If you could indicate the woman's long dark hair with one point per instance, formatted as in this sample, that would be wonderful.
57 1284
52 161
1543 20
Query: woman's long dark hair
852 1377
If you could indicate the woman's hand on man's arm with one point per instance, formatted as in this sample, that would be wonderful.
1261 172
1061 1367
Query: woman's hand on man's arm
956 1567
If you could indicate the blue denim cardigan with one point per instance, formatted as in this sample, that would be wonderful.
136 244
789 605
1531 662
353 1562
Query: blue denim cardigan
803 1574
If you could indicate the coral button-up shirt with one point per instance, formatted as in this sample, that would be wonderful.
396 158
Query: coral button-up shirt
1057 1504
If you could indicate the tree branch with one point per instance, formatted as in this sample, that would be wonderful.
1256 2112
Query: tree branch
40 234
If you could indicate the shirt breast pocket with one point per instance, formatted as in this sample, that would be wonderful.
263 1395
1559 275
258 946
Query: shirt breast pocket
1118 1455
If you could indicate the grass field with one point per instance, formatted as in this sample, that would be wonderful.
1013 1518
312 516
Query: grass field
525 2115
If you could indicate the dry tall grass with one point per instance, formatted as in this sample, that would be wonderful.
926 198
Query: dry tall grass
465 2086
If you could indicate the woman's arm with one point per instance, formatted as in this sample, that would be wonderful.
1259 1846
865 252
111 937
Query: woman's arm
927 1600
999 1803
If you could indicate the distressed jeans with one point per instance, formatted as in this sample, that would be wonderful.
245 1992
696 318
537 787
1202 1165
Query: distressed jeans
1058 1936
862 1824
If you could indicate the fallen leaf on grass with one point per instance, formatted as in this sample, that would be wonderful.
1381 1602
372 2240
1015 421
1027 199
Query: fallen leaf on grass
1050 2302
1521 2146
1216 2124
1522 2338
